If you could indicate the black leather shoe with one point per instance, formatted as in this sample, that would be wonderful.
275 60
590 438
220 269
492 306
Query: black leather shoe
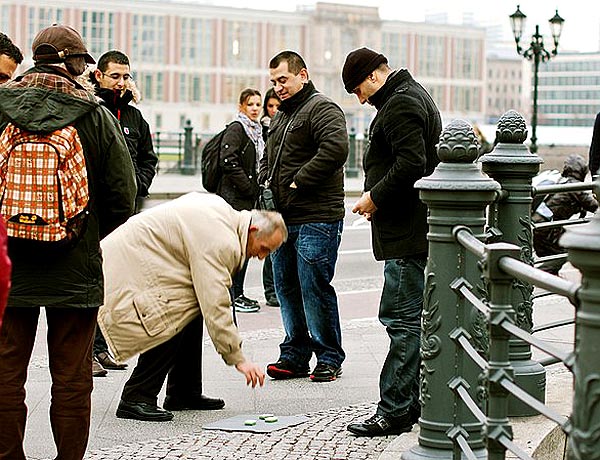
380 425
143 411
108 362
195 403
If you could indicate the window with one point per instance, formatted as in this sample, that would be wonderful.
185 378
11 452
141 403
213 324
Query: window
148 39
97 31
240 44
196 42
40 18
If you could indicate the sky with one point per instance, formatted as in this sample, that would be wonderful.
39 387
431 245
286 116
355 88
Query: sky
581 31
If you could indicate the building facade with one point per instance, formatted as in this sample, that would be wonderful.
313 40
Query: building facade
191 60
569 90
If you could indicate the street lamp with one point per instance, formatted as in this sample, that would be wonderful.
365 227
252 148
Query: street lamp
536 53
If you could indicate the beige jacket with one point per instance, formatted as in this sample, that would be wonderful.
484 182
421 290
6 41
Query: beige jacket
168 264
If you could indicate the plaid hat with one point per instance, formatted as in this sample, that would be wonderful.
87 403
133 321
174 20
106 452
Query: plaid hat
55 43
359 64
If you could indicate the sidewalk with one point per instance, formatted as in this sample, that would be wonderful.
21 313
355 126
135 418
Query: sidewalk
329 406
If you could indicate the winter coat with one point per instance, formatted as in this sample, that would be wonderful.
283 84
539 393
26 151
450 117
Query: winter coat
167 265
239 185
314 151
136 131
43 100
594 155
401 150
5 270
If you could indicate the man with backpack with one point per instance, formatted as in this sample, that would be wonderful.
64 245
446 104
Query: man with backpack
66 181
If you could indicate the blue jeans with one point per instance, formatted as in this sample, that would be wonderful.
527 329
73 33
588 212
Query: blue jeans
303 268
400 312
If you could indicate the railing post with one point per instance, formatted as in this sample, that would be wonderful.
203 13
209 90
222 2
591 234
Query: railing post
457 193
188 167
352 166
513 166
499 366
583 244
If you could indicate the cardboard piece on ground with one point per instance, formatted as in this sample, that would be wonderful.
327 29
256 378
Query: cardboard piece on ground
237 423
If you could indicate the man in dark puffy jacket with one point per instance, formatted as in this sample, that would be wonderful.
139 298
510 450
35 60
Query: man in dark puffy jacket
67 281
113 82
561 206
401 150
309 131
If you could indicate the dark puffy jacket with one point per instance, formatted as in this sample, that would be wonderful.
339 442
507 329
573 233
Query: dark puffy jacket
69 277
594 155
137 135
313 156
239 185
401 150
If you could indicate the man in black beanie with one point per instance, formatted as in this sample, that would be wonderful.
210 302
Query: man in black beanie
401 150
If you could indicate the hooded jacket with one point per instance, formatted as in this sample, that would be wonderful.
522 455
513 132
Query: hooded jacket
135 130
402 149
167 265
314 151
45 99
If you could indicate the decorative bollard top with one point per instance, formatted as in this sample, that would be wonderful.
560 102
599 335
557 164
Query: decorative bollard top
510 155
457 149
458 143
511 128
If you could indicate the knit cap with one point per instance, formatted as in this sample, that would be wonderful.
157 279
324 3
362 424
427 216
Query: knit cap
359 64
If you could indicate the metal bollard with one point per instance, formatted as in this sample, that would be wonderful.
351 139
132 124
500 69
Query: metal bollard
513 166
457 193
583 245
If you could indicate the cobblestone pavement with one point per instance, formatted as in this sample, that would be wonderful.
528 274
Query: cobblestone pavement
323 436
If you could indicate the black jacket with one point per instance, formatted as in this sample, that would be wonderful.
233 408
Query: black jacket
313 156
70 278
594 156
239 185
137 135
401 150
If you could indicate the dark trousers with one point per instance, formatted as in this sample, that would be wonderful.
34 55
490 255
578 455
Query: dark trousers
180 358
100 344
237 283
70 336
267 278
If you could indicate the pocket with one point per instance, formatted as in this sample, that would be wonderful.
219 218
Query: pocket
151 308
318 242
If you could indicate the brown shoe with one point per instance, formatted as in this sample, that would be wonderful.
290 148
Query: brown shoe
97 369
108 362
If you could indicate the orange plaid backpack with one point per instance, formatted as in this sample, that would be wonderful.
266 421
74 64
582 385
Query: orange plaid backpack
44 191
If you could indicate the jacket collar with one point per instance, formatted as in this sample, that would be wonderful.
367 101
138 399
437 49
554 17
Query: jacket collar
395 79
114 100
289 105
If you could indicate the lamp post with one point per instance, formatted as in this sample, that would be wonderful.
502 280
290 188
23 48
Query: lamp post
536 53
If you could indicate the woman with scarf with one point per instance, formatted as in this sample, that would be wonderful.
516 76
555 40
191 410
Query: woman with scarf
241 148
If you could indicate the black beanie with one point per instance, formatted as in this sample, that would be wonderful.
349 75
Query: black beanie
359 64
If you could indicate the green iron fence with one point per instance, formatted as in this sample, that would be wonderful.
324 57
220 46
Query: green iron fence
477 327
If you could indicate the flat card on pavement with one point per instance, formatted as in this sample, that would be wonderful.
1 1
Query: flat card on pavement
238 423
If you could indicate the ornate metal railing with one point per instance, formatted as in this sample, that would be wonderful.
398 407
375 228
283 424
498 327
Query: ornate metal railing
177 151
477 327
